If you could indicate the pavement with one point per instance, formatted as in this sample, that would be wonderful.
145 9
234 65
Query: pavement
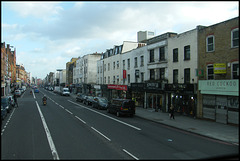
211 129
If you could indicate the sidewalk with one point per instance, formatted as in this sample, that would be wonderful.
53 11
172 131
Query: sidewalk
223 132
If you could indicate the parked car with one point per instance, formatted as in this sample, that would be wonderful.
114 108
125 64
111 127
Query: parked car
21 89
5 102
122 107
100 103
3 113
36 90
18 93
11 99
89 100
80 97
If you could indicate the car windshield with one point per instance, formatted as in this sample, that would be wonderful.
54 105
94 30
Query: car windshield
103 100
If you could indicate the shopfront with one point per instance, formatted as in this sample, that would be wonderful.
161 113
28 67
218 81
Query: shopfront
118 91
183 97
149 95
220 100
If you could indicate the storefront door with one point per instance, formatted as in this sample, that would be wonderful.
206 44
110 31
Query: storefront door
154 101
221 109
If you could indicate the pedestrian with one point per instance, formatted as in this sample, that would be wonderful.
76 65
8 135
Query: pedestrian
172 112
15 99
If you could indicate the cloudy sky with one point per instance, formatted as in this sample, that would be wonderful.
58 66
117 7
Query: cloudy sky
47 35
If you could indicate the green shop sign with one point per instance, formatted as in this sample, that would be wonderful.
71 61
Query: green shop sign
219 87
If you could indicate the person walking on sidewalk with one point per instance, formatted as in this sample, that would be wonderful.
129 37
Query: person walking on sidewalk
172 112
15 99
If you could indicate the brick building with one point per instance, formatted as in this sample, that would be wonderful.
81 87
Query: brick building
218 71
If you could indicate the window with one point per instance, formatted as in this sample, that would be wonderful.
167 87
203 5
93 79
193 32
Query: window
142 77
161 73
161 53
135 62
210 74
128 63
108 66
108 79
142 61
175 55
113 79
175 76
123 64
104 67
235 71
152 74
128 78
113 65
187 52
151 55
117 64
187 75
210 43
234 38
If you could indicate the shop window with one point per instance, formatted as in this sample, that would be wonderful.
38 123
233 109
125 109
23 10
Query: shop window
235 70
210 43
187 75
210 73
234 38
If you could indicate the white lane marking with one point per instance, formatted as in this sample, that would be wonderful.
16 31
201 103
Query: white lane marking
33 94
5 126
68 111
50 141
107 116
130 154
101 134
80 119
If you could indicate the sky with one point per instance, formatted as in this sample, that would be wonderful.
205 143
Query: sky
46 35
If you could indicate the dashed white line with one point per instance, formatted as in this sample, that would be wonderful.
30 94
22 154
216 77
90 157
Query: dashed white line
101 134
68 111
130 154
80 119
107 116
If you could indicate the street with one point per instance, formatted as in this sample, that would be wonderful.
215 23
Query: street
66 129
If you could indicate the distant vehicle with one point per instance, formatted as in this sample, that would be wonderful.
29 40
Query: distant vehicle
122 107
100 103
5 102
50 88
24 88
80 97
36 90
65 92
56 89
21 89
89 100
18 93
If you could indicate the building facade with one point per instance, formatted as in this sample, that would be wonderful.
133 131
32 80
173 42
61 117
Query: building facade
218 72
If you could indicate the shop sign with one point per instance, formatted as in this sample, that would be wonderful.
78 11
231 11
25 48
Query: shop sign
219 68
117 87
220 87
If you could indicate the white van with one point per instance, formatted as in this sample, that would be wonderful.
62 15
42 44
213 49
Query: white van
65 92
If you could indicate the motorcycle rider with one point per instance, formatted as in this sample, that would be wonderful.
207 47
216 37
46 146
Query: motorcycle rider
44 98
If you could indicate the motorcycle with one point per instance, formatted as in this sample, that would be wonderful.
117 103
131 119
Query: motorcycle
44 100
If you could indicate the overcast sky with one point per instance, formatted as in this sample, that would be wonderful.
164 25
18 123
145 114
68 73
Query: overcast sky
47 35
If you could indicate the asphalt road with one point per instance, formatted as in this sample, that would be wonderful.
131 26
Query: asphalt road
66 129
